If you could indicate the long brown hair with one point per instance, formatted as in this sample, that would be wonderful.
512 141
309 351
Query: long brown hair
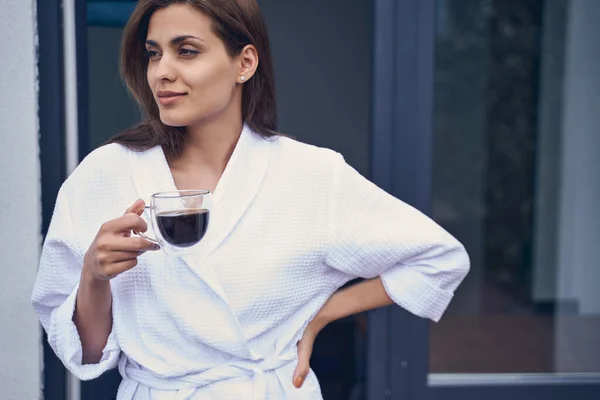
237 23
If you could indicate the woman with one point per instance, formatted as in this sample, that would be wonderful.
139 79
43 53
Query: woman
291 224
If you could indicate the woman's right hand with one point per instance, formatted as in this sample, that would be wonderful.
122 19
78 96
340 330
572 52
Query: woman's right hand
114 250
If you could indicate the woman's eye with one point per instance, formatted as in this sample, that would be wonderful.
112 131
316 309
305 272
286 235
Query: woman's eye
151 54
187 52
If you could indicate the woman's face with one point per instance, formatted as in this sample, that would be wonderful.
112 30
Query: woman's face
191 76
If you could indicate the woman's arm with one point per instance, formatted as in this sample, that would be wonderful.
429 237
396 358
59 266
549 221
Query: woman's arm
93 317
406 257
363 296
111 253
58 285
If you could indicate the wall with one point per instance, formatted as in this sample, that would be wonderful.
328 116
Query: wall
19 202
110 107
322 51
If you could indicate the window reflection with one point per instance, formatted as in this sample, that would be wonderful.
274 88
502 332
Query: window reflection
514 179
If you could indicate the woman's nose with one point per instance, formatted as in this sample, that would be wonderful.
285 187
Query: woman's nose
165 69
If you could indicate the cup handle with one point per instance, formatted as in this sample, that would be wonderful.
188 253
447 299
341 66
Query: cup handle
149 222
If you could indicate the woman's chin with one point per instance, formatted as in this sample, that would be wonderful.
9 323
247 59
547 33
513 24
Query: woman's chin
173 122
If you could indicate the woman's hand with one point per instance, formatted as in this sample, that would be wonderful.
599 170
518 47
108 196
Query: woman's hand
305 348
114 251
360 297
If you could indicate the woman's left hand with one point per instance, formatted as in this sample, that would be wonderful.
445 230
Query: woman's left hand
305 348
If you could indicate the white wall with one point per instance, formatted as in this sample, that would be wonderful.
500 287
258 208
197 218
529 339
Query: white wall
20 360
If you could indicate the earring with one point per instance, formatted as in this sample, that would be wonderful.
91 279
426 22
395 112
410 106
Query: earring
243 78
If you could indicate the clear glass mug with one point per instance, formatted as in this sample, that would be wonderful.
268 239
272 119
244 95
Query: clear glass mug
179 219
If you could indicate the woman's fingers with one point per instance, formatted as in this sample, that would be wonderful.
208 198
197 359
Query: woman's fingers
137 207
304 352
120 267
116 256
114 251
126 223
125 244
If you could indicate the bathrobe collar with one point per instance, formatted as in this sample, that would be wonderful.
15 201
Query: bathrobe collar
235 191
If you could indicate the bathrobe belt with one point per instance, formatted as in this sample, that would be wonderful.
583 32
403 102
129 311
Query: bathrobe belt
186 385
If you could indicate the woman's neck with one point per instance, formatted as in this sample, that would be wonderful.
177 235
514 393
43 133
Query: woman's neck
208 147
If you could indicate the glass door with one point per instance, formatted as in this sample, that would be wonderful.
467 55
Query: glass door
512 171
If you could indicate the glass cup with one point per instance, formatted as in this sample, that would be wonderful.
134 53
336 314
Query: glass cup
179 219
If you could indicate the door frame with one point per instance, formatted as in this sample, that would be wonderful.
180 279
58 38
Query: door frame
52 153
402 164
401 157
62 115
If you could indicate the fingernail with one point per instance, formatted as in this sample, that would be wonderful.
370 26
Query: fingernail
298 382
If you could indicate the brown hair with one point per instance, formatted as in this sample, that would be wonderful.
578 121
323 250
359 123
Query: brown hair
237 23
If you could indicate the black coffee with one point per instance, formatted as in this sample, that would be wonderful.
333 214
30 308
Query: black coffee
182 228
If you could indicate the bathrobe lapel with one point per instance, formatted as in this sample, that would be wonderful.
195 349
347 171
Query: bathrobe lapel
237 188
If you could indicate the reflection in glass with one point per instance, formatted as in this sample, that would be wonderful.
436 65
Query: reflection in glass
515 178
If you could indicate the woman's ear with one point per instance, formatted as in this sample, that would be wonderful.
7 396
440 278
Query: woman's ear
248 59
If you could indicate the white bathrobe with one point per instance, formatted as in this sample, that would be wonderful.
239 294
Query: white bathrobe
290 224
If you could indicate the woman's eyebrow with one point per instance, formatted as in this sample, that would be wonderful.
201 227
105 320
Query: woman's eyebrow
181 38
175 41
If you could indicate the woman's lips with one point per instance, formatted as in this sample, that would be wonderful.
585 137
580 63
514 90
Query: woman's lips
168 98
